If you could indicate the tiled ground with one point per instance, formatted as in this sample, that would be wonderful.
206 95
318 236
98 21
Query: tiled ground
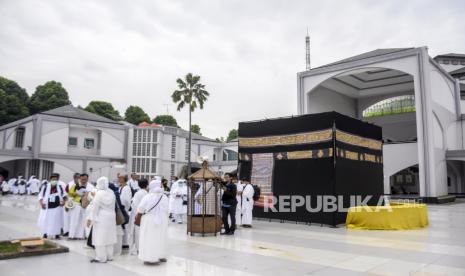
267 249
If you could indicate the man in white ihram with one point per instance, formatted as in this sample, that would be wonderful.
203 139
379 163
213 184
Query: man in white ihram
134 230
240 188
247 204
33 185
133 182
178 194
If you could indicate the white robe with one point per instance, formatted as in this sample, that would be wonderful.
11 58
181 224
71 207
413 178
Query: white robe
103 218
13 187
34 185
239 187
126 197
133 230
178 195
247 204
171 197
134 184
5 187
77 215
22 186
153 228
50 219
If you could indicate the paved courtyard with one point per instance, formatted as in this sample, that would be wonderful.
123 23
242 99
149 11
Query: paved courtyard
267 249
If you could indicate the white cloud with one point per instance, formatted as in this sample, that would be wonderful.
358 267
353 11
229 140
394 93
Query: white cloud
247 52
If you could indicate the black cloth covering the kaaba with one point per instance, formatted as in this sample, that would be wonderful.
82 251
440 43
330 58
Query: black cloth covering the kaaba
349 163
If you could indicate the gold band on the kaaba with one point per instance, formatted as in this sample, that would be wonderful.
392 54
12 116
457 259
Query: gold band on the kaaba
292 139
359 141
304 154
358 156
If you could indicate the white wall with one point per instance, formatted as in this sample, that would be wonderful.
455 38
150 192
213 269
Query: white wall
397 157
323 100
54 137
112 144
11 135
442 90
82 133
397 127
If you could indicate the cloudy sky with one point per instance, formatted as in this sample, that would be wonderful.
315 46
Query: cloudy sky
247 52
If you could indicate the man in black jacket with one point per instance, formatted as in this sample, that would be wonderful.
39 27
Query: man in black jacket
229 203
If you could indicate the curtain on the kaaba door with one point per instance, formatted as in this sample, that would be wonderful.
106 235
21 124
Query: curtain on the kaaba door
304 177
245 169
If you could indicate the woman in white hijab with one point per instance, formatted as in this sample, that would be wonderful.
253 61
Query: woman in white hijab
154 225
103 220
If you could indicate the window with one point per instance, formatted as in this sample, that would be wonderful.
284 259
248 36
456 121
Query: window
72 141
154 165
134 136
138 165
154 149
154 136
172 169
187 150
173 146
89 143
142 167
19 137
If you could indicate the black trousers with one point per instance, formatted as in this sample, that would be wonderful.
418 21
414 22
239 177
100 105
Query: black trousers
229 211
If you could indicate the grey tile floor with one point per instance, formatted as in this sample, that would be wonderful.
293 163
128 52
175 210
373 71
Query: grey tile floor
267 249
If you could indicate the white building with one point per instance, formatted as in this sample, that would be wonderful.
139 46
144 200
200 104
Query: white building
64 140
162 150
417 103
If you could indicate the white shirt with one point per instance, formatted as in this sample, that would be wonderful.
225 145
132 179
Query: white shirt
125 195
134 184
138 198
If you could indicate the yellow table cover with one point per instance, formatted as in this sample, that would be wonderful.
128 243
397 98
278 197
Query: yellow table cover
397 216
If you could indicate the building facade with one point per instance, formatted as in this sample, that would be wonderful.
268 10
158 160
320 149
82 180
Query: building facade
163 151
415 99
69 140
65 140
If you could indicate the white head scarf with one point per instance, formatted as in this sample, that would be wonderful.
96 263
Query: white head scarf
155 186
102 183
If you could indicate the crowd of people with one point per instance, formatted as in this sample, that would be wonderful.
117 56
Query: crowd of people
127 214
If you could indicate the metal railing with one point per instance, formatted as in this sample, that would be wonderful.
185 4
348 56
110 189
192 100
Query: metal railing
396 105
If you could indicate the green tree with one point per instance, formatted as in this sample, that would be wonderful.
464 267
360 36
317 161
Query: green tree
166 120
221 139
136 115
11 108
196 129
104 109
48 96
193 94
233 134
11 88
13 100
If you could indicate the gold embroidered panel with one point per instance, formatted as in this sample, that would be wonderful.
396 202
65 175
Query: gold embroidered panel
358 156
291 139
304 154
358 140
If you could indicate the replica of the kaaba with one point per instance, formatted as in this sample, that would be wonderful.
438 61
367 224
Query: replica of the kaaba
314 155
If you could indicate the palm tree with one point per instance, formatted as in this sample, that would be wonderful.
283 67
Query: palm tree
191 93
